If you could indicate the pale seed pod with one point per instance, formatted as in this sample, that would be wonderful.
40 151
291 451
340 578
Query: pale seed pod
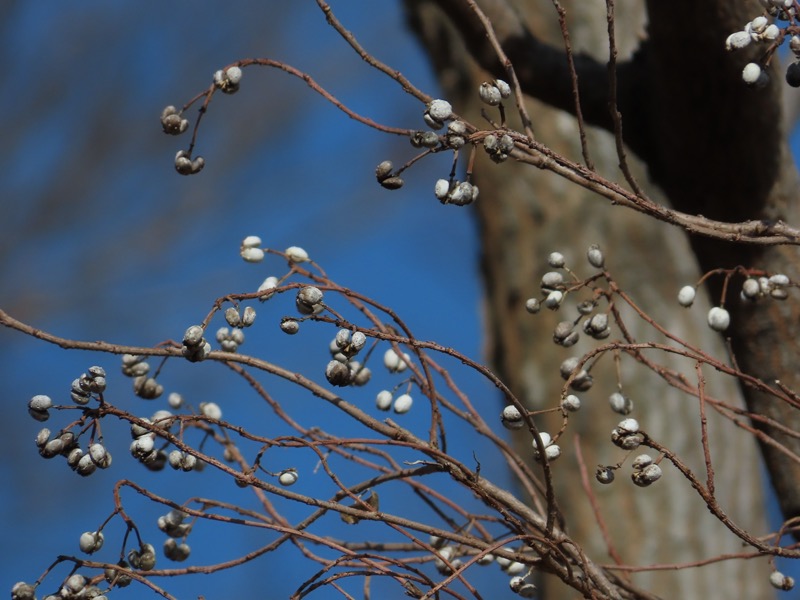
441 110
516 568
641 461
288 477
309 300
211 410
779 294
290 326
751 288
532 305
42 437
771 33
554 299
100 456
737 40
556 260
393 362
759 24
544 437
568 367
252 255
552 280
552 452
85 466
232 316
402 404
503 88
595 256
270 283
751 73
718 318
779 280
362 376
40 402
296 254
780 581
251 241
91 541
686 295
193 336
338 374
383 170
248 316
441 189
392 183
384 400
604 475
628 425
234 75
571 403
489 94
649 474
620 404
582 382
511 417
431 122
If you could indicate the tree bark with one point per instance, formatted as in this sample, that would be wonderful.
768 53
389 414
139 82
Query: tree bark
708 145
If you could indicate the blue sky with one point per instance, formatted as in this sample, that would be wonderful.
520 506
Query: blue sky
103 240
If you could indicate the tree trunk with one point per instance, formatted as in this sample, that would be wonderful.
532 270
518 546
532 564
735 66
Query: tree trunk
710 146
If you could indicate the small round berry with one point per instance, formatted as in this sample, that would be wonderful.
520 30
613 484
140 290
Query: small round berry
402 404
751 73
288 477
686 295
620 404
649 474
512 418
533 306
556 260
441 110
571 403
595 256
383 400
718 318
211 410
780 581
296 254
604 475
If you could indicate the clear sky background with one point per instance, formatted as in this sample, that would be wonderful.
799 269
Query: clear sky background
101 239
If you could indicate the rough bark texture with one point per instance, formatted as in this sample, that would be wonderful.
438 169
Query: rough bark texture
709 145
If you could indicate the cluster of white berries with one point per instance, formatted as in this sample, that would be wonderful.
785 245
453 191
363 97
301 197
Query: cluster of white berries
498 147
227 81
385 399
143 448
174 526
582 380
760 30
143 557
145 387
75 587
195 347
66 444
172 122
452 191
185 165
230 339
645 471
93 382
753 288
342 370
